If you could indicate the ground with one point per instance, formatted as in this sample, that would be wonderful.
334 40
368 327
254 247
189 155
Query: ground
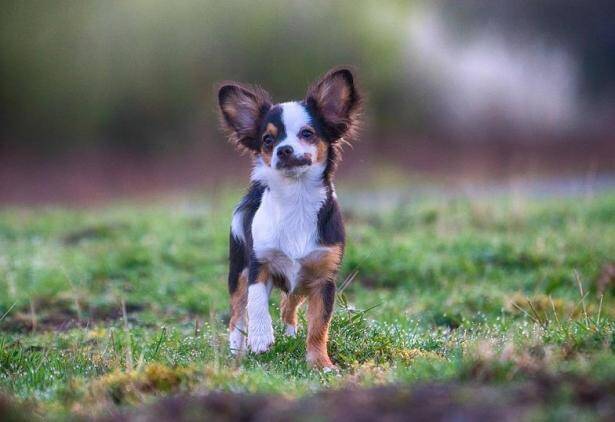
495 306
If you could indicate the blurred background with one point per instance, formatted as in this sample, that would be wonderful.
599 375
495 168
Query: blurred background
102 100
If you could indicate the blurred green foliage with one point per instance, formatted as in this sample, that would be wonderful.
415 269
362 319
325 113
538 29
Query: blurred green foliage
138 70
141 73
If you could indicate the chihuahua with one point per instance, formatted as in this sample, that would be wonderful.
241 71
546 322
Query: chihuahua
287 231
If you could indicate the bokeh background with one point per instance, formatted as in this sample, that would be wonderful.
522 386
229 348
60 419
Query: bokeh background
111 99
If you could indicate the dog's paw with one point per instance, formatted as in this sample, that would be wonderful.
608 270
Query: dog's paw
290 330
330 369
260 338
321 361
237 341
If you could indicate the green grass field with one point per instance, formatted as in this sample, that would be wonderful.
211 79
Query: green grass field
110 309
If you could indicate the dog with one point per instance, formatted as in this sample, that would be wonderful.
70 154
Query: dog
287 231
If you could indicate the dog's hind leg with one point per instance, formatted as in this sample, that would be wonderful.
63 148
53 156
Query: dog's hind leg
288 307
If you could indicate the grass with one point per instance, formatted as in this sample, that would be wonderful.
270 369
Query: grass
110 308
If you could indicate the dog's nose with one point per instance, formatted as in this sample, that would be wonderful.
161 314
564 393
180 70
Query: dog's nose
285 151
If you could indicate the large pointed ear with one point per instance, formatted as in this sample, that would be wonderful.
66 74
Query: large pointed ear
242 109
336 101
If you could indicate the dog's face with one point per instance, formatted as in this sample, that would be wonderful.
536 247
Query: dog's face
295 136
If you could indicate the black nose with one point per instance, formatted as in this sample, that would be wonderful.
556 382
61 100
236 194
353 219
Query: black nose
285 151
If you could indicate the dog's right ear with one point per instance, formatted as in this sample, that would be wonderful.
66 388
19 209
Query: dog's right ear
336 100
242 109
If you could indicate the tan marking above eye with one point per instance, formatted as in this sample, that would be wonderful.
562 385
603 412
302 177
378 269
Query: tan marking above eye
272 129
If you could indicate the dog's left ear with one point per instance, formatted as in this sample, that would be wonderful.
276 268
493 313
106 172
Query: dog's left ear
242 108
336 101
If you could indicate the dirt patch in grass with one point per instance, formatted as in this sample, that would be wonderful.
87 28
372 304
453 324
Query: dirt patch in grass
58 314
11 413
434 402
605 283
101 231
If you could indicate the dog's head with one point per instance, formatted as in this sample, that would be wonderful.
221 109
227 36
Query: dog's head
293 137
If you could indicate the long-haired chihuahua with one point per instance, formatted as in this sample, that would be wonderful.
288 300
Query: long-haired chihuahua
287 231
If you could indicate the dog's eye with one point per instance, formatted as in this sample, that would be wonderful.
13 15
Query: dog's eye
268 140
307 133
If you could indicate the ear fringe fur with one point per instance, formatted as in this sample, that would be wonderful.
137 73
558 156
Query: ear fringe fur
255 103
342 126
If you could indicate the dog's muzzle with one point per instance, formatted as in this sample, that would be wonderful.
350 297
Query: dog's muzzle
287 158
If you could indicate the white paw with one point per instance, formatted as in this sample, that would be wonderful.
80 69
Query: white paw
260 338
237 341
260 330
290 330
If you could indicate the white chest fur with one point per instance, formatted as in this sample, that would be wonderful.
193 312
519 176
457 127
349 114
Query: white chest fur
285 226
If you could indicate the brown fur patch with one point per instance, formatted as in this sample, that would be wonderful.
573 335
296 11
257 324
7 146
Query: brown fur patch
263 274
322 149
318 331
320 265
272 130
239 300
230 111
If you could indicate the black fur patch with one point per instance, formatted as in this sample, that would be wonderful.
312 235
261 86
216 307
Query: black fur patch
280 282
318 123
237 262
274 116
330 222
329 136
240 252
248 206
328 298
253 270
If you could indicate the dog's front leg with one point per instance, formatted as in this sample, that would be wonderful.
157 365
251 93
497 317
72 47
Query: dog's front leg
260 329
237 324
